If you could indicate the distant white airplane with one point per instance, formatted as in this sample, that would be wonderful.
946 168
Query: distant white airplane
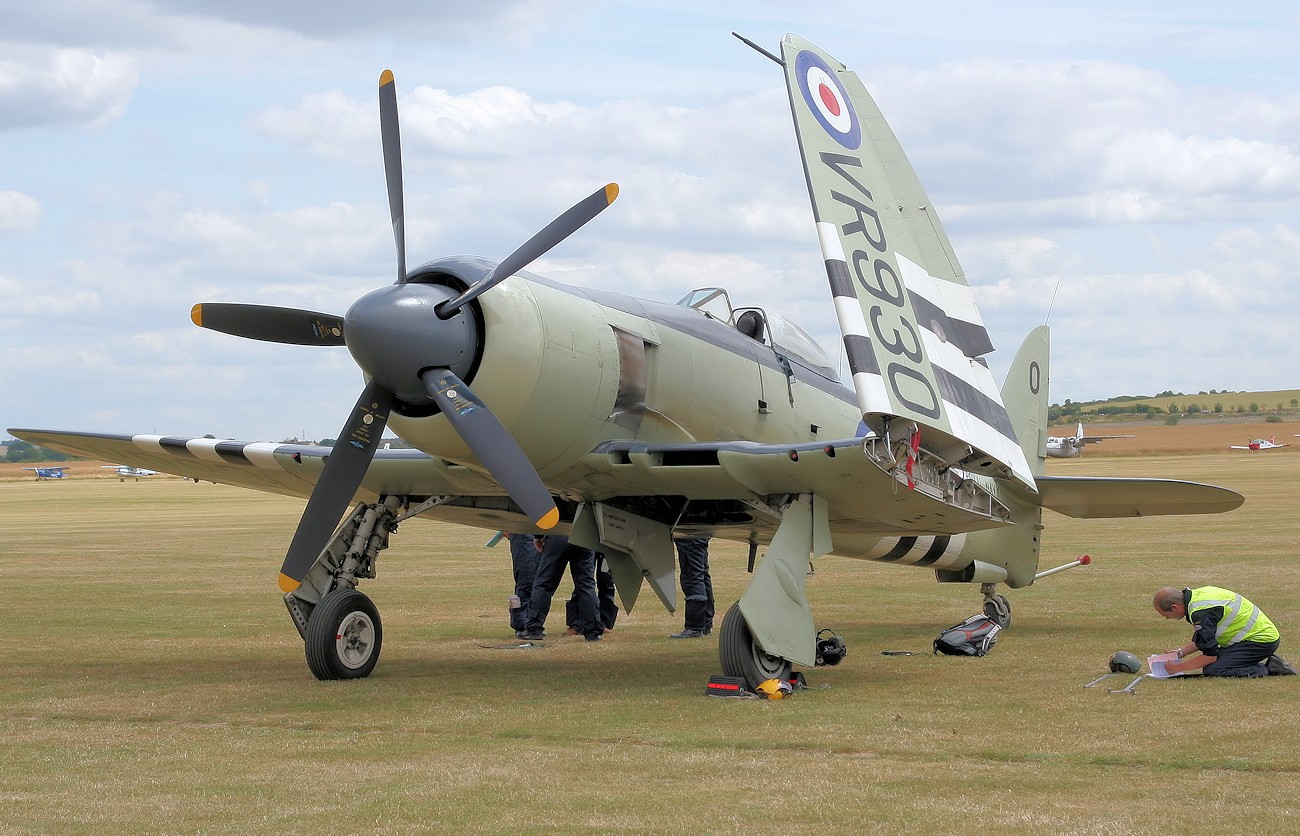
1259 444
49 472
1069 446
125 470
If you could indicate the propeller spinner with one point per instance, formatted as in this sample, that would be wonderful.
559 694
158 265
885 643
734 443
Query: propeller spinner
410 339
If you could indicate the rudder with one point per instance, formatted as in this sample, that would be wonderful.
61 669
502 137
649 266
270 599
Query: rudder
1024 393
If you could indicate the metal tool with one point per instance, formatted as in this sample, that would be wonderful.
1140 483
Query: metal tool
1131 688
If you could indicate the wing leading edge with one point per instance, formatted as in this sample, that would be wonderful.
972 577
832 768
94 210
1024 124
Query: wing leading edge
285 469
912 333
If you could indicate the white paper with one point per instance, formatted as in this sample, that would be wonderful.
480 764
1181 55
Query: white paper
1157 665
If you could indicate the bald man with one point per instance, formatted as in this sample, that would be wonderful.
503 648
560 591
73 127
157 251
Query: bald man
1234 637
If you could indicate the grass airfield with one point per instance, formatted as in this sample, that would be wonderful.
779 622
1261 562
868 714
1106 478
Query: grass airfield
153 683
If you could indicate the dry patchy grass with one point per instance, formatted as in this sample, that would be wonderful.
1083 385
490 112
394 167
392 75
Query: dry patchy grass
153 683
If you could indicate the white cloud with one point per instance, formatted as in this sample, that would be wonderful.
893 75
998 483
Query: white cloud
1090 141
18 212
44 86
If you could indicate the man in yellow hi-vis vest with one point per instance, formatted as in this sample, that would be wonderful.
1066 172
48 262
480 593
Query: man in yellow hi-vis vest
1234 636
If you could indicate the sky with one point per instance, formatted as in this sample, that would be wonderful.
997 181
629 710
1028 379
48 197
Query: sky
1129 173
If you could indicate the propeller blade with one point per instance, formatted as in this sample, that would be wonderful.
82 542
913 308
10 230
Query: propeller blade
492 445
344 470
391 137
269 324
534 248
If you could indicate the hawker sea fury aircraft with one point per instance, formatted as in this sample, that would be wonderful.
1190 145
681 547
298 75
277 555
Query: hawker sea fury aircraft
624 422
1069 446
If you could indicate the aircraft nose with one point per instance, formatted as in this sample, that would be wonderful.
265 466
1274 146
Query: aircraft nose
394 333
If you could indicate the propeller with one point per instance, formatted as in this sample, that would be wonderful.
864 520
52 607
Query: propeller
537 246
345 467
408 338
492 445
391 138
269 324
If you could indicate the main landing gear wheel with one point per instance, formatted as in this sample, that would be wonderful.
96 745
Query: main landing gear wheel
741 656
344 635
998 608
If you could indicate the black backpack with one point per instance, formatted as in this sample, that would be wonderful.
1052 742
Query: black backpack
973 637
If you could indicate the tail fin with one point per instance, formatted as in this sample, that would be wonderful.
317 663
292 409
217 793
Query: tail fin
1025 394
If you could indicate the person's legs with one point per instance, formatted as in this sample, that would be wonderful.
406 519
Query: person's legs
582 568
1241 660
697 587
550 568
523 560
606 603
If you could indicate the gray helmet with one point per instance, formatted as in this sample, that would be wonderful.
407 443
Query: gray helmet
1125 662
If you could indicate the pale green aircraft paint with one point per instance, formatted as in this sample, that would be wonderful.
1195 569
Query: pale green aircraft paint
651 420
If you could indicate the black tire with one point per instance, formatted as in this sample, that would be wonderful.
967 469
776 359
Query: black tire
344 635
740 656
998 608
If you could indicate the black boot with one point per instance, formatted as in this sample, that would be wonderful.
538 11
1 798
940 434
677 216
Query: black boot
1277 666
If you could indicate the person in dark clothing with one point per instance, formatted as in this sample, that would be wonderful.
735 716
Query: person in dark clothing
523 561
556 554
1235 638
697 587
606 605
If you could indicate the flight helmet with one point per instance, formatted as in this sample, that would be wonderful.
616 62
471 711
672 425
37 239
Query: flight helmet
1125 662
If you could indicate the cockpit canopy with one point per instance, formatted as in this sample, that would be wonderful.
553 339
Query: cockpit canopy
768 327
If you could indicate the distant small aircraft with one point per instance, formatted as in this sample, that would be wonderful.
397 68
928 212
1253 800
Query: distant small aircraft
49 472
125 470
1069 446
1259 444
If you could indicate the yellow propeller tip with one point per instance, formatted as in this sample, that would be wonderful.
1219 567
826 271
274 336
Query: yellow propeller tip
549 521
386 77
611 192
196 315
288 584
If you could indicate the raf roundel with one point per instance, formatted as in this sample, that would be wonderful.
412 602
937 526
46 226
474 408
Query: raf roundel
827 99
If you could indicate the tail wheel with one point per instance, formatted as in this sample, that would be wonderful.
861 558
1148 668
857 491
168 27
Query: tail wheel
741 656
998 608
344 635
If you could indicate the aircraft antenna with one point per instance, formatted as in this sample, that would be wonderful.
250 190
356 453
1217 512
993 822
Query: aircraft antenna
747 42
1052 304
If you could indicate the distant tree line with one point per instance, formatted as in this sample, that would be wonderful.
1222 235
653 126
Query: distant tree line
24 451
1125 406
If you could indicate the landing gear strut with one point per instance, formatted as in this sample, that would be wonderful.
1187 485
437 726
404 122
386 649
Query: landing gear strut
340 627
996 606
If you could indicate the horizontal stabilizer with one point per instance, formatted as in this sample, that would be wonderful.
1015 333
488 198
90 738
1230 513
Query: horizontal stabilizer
1096 497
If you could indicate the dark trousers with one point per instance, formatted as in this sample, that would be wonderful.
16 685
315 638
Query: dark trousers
697 585
523 562
1241 659
557 554
607 606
